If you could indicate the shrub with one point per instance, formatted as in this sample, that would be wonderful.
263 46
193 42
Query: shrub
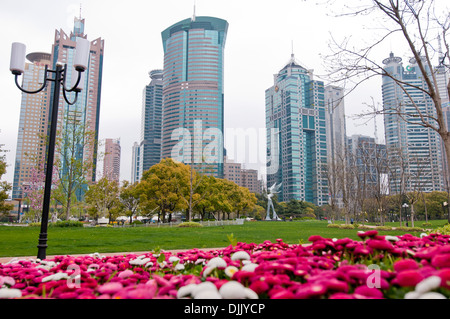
384 228
67 223
444 230
346 226
190 224
333 226
426 225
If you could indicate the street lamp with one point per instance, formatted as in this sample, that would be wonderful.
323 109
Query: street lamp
405 207
448 210
17 68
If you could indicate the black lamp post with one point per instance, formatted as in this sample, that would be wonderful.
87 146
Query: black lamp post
17 67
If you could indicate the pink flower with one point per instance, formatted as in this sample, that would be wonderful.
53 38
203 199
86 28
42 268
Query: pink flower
379 244
308 290
259 286
405 264
445 278
110 288
408 278
125 274
283 294
441 261
369 233
369 292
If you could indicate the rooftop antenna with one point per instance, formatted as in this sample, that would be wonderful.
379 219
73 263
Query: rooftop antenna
292 48
193 17
80 11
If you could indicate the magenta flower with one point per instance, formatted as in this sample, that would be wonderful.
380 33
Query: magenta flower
380 244
110 288
441 261
408 278
405 264
369 292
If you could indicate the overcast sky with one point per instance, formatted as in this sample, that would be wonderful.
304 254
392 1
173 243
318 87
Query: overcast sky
261 37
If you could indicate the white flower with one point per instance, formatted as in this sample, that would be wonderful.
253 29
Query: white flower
185 291
149 264
240 255
203 287
217 262
251 294
391 238
56 277
139 261
7 293
428 284
230 271
250 267
207 271
173 259
6 280
412 295
233 290
179 267
208 294
432 295
423 235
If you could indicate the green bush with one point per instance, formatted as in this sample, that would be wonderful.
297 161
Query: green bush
333 226
384 228
346 226
444 230
190 224
61 223
426 225
409 229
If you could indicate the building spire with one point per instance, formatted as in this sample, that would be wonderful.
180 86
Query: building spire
80 11
193 16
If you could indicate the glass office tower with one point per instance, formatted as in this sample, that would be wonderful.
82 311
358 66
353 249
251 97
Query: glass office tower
414 152
296 135
152 102
193 92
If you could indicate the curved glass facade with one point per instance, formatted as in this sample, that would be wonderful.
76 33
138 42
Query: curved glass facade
193 93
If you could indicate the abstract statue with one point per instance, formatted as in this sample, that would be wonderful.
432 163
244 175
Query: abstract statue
272 190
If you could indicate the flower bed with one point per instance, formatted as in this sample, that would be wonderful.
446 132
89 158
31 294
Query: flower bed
376 266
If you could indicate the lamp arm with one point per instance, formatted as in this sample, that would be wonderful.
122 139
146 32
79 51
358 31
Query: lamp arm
32 92
74 88
66 98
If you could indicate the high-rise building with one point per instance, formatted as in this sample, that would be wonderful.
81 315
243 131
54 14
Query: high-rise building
414 152
111 161
135 160
31 146
336 139
243 177
368 159
335 121
84 115
152 102
296 135
193 92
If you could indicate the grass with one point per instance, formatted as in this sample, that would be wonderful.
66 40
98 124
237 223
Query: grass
22 241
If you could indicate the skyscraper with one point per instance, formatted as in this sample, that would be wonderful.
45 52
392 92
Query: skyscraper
111 162
135 160
152 102
30 151
85 113
193 110
295 108
414 152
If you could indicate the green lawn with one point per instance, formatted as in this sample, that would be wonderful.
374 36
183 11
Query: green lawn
22 241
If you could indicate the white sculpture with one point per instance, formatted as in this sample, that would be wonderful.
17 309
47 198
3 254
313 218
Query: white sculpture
271 191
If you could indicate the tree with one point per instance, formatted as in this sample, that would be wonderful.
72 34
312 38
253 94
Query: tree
159 187
5 187
103 196
129 198
418 24
74 166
